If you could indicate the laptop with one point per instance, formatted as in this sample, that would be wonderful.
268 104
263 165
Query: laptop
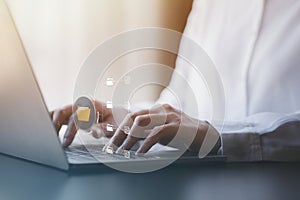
26 130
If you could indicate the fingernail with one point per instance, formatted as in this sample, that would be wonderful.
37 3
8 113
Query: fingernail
109 150
123 152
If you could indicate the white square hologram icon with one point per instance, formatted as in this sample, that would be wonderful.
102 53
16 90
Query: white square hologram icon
109 81
127 154
109 128
109 104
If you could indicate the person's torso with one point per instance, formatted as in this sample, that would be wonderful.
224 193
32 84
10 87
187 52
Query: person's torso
256 48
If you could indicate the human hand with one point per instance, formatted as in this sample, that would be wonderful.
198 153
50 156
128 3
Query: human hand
65 116
161 124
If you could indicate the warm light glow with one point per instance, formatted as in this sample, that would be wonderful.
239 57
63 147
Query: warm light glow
58 35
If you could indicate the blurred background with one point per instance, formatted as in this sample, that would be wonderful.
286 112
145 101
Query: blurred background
59 34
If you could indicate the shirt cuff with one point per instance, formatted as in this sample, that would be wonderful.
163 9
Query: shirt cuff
241 146
243 140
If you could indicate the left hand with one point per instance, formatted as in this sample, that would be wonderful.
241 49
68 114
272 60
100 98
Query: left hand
65 116
160 125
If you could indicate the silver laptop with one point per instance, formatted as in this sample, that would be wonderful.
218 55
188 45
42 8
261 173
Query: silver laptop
26 130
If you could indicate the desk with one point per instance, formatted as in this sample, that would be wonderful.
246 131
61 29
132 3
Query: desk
24 180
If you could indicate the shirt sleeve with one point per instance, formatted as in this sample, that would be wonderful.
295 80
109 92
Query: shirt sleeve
262 137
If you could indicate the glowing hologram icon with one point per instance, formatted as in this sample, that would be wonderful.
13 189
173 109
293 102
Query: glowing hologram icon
126 105
126 130
139 77
109 104
123 152
83 113
109 81
127 154
109 128
109 150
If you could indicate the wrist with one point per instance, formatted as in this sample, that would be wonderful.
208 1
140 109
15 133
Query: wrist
218 144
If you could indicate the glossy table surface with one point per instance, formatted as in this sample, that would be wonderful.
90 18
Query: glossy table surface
25 180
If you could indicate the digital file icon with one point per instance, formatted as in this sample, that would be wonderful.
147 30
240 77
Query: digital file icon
109 81
109 104
109 128
83 113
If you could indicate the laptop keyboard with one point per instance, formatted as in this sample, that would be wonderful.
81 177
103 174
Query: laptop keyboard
94 153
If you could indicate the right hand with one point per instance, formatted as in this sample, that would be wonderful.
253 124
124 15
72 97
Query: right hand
65 116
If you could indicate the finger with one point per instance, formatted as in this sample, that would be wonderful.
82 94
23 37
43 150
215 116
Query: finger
119 136
160 108
138 113
70 132
129 143
97 132
146 122
117 139
102 110
127 123
61 117
154 137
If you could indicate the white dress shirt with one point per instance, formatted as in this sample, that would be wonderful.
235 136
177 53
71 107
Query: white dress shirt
255 46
